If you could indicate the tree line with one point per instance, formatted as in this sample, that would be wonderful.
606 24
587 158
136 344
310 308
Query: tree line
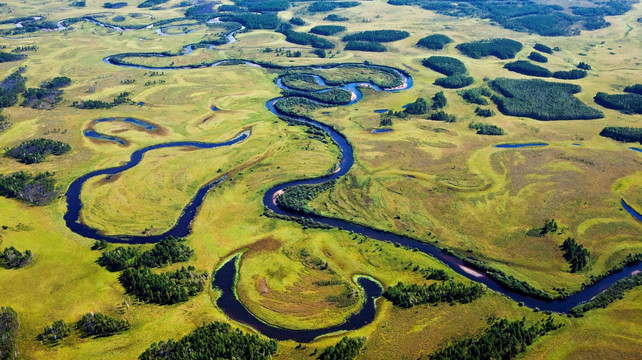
37 189
575 254
214 341
167 251
624 134
407 296
613 293
122 98
166 288
629 103
36 150
504 339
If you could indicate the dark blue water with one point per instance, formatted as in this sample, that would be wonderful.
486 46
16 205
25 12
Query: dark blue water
631 210
214 108
98 136
576 144
381 111
182 227
225 280
512 146
378 131
140 123
635 149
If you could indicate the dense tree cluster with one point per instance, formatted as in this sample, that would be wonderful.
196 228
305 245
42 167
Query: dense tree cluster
36 150
214 341
35 189
527 68
456 81
122 98
168 251
296 198
434 42
624 134
479 111
335 17
486 129
323 6
505 339
476 95
537 57
10 87
297 21
304 38
500 48
442 116
508 281
615 292
346 349
151 3
541 100
14 259
371 46
445 64
628 103
116 5
584 66
165 288
418 107
448 292
439 101
9 326
528 15
454 69
265 5
99 325
56 83
55 332
543 48
327 29
570 74
377 35
7 57
634 89
255 21
575 254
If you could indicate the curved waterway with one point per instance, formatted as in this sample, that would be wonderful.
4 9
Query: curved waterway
183 225
225 280
226 275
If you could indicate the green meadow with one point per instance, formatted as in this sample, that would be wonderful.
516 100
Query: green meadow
434 181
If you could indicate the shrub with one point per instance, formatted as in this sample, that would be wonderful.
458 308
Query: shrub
38 190
323 6
55 332
475 96
485 113
442 116
9 326
584 66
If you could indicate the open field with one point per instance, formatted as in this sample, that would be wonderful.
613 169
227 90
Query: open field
434 181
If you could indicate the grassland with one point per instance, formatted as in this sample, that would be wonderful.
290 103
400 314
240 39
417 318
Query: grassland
433 181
